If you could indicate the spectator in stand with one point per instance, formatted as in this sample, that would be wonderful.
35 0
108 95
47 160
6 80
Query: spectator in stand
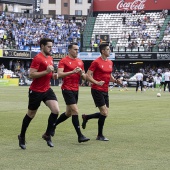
129 37
158 34
2 66
123 20
134 12
111 47
95 45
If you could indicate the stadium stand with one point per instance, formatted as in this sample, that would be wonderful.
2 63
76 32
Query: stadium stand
143 31
23 33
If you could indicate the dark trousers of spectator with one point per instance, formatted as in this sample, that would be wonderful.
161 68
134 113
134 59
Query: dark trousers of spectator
165 84
139 83
91 48
95 49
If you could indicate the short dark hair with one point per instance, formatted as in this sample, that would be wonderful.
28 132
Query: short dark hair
103 46
44 41
71 45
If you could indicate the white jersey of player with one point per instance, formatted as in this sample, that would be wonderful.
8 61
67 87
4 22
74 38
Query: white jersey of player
167 76
139 76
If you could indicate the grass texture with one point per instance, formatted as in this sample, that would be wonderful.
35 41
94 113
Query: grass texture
138 127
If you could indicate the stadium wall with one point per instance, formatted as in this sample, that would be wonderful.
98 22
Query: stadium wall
89 56
129 5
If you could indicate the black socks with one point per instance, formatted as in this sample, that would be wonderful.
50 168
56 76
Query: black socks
25 123
62 118
51 120
93 116
76 124
101 124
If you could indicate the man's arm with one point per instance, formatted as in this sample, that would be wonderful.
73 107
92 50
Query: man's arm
33 73
63 74
112 79
83 75
90 78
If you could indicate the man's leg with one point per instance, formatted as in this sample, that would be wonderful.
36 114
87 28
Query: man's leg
51 120
101 121
87 117
73 109
61 119
76 124
25 123
165 85
141 84
101 124
53 106
169 86
137 85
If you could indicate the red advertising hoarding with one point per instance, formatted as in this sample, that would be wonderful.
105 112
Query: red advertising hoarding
130 5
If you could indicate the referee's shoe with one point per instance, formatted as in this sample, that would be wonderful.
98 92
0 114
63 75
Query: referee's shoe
48 140
21 142
82 138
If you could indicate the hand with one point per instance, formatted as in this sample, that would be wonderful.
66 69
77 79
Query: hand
119 81
100 83
55 76
50 68
77 69
81 72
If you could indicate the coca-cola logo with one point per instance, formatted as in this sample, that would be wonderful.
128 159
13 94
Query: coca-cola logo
135 5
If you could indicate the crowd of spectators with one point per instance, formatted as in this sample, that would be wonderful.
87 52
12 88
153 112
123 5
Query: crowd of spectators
18 32
21 32
139 30
153 76
143 36
125 72
165 43
16 68
2 67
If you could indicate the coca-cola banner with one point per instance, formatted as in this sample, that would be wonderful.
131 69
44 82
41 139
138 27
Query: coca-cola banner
130 5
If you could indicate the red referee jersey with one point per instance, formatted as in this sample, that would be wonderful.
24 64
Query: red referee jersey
71 82
40 62
102 70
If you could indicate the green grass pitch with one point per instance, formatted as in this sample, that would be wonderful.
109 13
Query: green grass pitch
138 127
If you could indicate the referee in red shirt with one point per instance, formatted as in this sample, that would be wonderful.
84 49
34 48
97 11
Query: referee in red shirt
41 71
71 69
100 74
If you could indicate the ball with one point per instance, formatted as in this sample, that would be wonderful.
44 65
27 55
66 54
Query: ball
158 94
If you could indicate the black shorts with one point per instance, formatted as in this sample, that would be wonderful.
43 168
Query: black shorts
35 98
70 97
100 98
162 83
